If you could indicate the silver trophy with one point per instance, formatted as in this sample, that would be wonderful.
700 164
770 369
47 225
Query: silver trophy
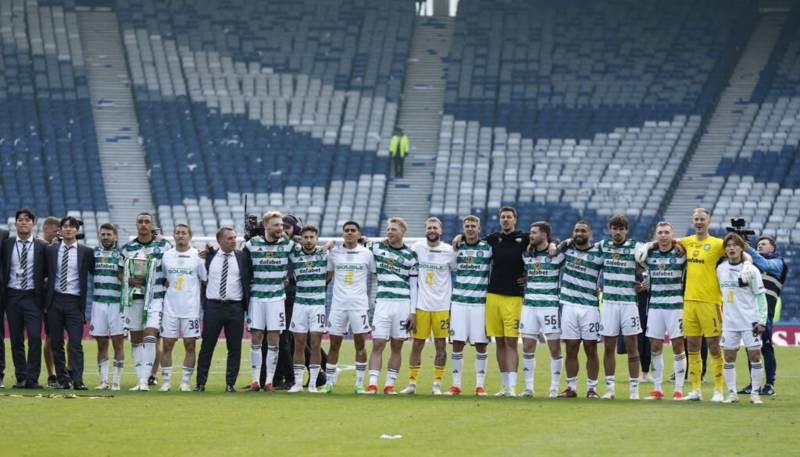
140 270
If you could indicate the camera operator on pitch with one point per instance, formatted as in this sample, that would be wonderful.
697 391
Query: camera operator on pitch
773 273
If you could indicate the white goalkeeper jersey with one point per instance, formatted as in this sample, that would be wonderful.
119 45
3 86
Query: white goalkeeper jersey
183 271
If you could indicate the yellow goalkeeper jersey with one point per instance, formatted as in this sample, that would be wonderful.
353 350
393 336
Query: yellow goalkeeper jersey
701 268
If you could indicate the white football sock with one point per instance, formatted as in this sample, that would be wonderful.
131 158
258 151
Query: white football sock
256 359
272 363
103 367
330 374
555 372
313 374
591 384
611 383
137 351
481 359
186 375
458 366
166 374
373 377
657 359
572 383
512 380
679 367
729 371
149 356
391 377
756 372
361 369
528 368
299 371
117 376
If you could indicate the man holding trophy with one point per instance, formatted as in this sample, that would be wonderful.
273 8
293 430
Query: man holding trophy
143 294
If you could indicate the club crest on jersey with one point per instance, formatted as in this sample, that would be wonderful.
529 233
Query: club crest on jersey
626 251
673 260
706 247
518 240
479 253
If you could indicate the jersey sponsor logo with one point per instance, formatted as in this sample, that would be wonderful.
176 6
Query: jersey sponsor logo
693 260
350 266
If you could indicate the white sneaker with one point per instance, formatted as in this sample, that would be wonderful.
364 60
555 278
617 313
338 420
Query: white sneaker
756 399
502 393
609 395
115 387
165 387
511 394
437 389
553 393
527 393
296 388
312 389
185 388
634 395
140 388
718 397
694 395
409 390
732 398
102 386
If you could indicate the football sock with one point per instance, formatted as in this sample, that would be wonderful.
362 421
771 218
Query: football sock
256 359
458 366
679 367
481 359
716 370
330 374
729 371
695 370
166 374
373 377
528 368
756 372
438 374
149 356
391 377
413 373
299 371
313 374
117 376
103 367
555 372
186 375
572 383
361 369
657 359
272 363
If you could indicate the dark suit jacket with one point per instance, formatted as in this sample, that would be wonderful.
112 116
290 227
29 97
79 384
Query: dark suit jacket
245 273
3 238
39 267
85 266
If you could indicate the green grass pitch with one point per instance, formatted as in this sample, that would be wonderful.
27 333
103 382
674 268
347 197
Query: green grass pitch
218 423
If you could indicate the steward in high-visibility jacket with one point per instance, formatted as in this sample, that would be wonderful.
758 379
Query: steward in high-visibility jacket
398 150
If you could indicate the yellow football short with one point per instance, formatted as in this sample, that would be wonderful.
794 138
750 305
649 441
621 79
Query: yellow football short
702 319
437 322
503 313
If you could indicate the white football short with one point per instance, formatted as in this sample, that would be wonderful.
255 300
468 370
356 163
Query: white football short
539 320
175 327
580 323
308 318
661 321
267 315
341 321
389 320
137 318
106 320
620 318
468 324
731 339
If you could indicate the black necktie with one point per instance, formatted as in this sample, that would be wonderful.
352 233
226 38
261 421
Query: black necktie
223 281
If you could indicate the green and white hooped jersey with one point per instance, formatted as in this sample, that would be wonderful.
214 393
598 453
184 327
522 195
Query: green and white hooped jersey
154 250
310 271
619 272
270 266
473 263
541 288
107 286
394 267
579 276
666 279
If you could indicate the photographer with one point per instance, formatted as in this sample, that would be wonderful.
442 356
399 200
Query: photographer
773 273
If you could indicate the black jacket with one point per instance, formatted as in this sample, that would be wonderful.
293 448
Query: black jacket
245 273
85 266
39 268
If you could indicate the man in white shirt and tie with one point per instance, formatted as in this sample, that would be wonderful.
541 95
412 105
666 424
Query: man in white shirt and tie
68 268
225 300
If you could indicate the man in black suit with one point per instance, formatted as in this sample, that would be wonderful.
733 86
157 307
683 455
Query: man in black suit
225 299
24 272
3 238
68 268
